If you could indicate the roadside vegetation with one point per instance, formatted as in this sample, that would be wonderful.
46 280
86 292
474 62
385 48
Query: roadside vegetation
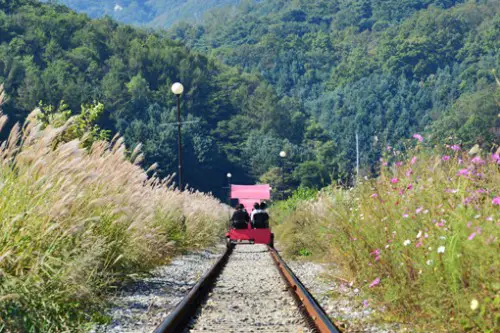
420 241
75 221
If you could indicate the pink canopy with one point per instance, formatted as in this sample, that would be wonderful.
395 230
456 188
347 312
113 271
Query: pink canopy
262 192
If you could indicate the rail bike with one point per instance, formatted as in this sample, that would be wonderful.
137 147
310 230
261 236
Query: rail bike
247 195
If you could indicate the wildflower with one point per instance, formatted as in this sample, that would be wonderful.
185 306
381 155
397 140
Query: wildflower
356 291
365 303
374 195
471 237
442 238
418 137
429 248
405 216
441 249
495 158
418 210
440 224
409 187
398 164
496 201
477 160
445 158
385 164
407 242
455 148
474 304
429 262
481 191
489 218
419 234
469 224
414 160
419 244
374 282
394 180
463 172
389 148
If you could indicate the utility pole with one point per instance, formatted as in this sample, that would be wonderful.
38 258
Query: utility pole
357 157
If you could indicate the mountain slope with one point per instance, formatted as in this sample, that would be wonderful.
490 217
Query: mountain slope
383 69
159 13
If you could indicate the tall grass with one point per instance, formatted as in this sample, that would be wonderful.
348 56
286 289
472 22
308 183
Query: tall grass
421 240
73 222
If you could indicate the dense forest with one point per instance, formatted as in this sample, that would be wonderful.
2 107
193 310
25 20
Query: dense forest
384 69
158 13
300 76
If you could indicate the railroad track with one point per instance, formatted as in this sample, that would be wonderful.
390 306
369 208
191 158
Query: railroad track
249 289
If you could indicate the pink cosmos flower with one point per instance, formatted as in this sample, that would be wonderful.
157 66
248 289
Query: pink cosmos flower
365 303
471 237
418 210
374 282
477 160
463 172
410 187
419 244
469 224
440 223
478 229
496 201
481 191
394 180
409 172
385 164
374 195
389 148
495 158
455 147
445 158
414 160
405 216
418 137
398 164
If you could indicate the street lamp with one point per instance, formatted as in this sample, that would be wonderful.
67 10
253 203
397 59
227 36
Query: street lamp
229 175
283 155
178 89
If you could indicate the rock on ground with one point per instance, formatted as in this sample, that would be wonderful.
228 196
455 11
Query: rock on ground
250 296
141 306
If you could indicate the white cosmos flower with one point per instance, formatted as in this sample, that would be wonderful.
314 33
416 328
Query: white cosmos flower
441 249
474 304
429 262
442 237
407 242
419 234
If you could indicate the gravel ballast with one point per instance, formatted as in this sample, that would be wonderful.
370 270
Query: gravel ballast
141 306
250 296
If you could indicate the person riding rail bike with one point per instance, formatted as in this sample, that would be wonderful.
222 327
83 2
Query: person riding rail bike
260 218
240 218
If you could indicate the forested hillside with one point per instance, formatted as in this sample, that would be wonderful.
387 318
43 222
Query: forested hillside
51 54
158 13
384 69
300 76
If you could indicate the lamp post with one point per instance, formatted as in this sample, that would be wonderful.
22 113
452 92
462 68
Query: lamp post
283 155
178 89
229 176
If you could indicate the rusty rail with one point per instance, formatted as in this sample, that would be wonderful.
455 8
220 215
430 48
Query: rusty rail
186 309
183 313
316 315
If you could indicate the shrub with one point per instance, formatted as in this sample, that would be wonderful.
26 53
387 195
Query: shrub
74 222
421 239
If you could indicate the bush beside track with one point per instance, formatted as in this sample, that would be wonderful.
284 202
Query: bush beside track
75 222
421 240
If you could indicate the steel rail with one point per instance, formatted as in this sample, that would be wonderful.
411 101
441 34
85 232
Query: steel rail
178 319
316 315
184 312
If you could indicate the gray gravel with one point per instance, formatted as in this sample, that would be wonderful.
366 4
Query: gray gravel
342 302
141 306
250 296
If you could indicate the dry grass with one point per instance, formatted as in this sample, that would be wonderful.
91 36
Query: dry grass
421 240
73 222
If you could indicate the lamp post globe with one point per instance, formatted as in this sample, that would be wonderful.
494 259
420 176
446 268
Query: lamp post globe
229 175
177 88
283 154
